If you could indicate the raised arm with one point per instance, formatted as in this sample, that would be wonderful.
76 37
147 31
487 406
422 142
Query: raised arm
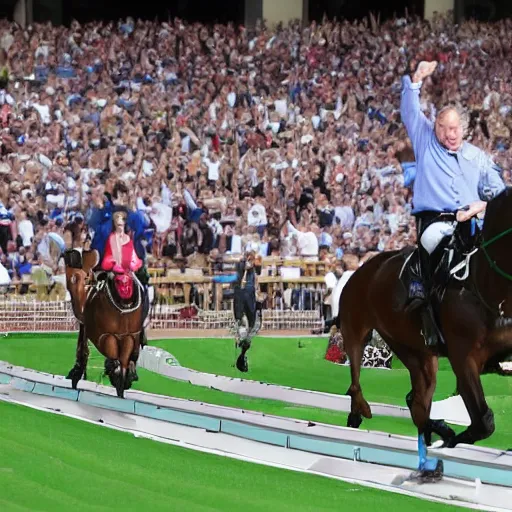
417 125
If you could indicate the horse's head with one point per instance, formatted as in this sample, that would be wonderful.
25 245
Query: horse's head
76 279
79 265
124 286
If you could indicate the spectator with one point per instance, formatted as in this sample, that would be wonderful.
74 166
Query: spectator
289 140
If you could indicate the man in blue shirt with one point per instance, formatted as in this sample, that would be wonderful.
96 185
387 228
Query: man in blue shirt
454 179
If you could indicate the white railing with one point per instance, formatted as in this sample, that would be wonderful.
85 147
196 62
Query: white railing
30 315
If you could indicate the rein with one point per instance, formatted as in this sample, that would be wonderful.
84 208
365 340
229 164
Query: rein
492 263
102 286
494 266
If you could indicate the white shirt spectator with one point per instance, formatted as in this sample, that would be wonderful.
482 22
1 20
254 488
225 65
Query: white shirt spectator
346 217
213 169
281 108
26 231
257 216
166 194
336 294
236 244
57 200
307 242
5 97
185 144
5 280
44 112
231 99
161 215
73 195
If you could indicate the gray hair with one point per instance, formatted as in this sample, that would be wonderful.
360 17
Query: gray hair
464 117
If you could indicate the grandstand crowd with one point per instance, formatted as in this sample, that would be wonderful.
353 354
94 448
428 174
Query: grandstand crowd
288 141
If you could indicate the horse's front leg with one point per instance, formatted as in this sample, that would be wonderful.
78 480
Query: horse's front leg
423 379
439 427
82 357
471 390
129 349
131 375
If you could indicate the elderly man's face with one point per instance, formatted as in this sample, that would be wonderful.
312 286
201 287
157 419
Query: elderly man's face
449 130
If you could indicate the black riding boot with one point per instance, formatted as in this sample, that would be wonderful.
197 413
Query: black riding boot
427 322
417 294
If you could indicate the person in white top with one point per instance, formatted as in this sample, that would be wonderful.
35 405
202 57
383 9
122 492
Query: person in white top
351 264
5 279
307 241
213 164
25 229
257 214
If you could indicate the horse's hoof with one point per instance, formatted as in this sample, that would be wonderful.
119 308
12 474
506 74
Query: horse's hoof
131 376
354 420
74 376
241 364
120 387
132 371
449 443
440 428
425 476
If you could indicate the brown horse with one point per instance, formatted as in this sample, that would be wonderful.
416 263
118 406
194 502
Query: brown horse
474 316
112 324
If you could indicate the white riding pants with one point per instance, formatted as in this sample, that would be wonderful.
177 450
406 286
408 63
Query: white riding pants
433 235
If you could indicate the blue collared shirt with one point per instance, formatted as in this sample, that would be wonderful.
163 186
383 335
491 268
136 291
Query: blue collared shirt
445 180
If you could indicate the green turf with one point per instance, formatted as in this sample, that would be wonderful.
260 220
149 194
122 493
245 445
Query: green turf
55 355
279 361
299 363
57 464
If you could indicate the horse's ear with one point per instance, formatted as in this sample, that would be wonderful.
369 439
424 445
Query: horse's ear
90 260
72 258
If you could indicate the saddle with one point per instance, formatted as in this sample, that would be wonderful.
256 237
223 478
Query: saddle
436 271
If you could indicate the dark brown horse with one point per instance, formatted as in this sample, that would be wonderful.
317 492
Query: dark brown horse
112 324
474 316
